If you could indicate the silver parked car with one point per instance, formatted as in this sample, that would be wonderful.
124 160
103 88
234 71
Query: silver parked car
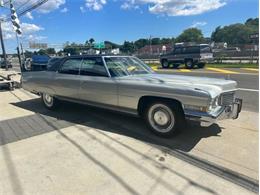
126 84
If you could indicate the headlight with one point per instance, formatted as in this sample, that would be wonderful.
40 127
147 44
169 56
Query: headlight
214 103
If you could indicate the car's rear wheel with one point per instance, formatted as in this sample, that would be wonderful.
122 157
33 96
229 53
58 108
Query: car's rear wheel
176 66
165 64
201 65
189 64
163 118
49 101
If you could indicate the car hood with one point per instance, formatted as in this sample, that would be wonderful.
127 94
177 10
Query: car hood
210 85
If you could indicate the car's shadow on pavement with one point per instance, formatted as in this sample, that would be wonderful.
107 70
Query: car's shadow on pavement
70 114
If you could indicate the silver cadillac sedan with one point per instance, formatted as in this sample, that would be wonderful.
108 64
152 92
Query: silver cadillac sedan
126 84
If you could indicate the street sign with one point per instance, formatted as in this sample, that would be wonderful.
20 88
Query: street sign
33 45
100 45
254 36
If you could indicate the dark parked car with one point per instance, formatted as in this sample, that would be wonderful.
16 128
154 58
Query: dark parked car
2 64
39 62
189 55
54 63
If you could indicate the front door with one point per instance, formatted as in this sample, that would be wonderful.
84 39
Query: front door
96 84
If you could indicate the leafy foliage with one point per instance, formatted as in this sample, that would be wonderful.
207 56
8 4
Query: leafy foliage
236 33
190 35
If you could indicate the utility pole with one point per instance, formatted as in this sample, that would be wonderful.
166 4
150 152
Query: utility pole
150 40
3 46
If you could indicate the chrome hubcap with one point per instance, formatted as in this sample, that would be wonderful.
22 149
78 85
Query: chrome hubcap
48 99
161 118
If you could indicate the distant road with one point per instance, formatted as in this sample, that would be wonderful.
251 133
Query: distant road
247 79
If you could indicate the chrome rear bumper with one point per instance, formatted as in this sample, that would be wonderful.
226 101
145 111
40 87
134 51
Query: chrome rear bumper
225 112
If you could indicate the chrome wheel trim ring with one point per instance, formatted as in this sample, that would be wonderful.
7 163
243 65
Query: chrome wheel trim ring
161 118
165 63
48 99
189 64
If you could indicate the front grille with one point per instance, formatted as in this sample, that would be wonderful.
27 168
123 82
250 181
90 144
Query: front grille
226 99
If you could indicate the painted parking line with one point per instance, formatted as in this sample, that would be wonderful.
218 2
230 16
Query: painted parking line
155 68
251 69
222 70
184 70
245 89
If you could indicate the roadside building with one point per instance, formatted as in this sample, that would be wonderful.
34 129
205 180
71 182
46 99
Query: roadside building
155 49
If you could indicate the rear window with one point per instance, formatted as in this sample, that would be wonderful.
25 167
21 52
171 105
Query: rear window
205 49
194 49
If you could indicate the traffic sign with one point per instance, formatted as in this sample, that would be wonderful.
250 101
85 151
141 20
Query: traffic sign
254 36
100 45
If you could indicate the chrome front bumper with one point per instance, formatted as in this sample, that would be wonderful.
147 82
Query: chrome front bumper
225 112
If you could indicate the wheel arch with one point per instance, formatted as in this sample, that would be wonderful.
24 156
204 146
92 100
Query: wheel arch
187 59
144 101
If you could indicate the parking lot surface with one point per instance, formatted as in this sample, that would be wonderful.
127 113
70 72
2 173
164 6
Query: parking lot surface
84 150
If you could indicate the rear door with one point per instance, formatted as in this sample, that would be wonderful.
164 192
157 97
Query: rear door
96 84
206 52
176 55
67 79
191 52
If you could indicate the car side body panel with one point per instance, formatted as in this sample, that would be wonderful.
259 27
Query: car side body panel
123 93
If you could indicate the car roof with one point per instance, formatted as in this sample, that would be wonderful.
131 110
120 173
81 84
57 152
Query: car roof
193 45
97 55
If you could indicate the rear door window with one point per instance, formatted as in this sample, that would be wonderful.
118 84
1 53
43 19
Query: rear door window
93 66
177 51
192 50
71 66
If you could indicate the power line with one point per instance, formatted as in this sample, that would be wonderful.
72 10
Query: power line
27 9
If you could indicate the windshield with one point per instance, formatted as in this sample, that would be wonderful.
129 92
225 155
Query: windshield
124 66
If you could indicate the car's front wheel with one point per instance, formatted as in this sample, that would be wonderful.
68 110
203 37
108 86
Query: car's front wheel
164 119
201 65
165 64
189 64
49 101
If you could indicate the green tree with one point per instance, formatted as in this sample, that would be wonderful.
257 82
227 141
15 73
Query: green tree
254 22
166 41
190 35
156 41
91 41
141 43
72 49
236 33
50 51
128 47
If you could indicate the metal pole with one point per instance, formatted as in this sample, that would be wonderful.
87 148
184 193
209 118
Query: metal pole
18 51
150 40
3 46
